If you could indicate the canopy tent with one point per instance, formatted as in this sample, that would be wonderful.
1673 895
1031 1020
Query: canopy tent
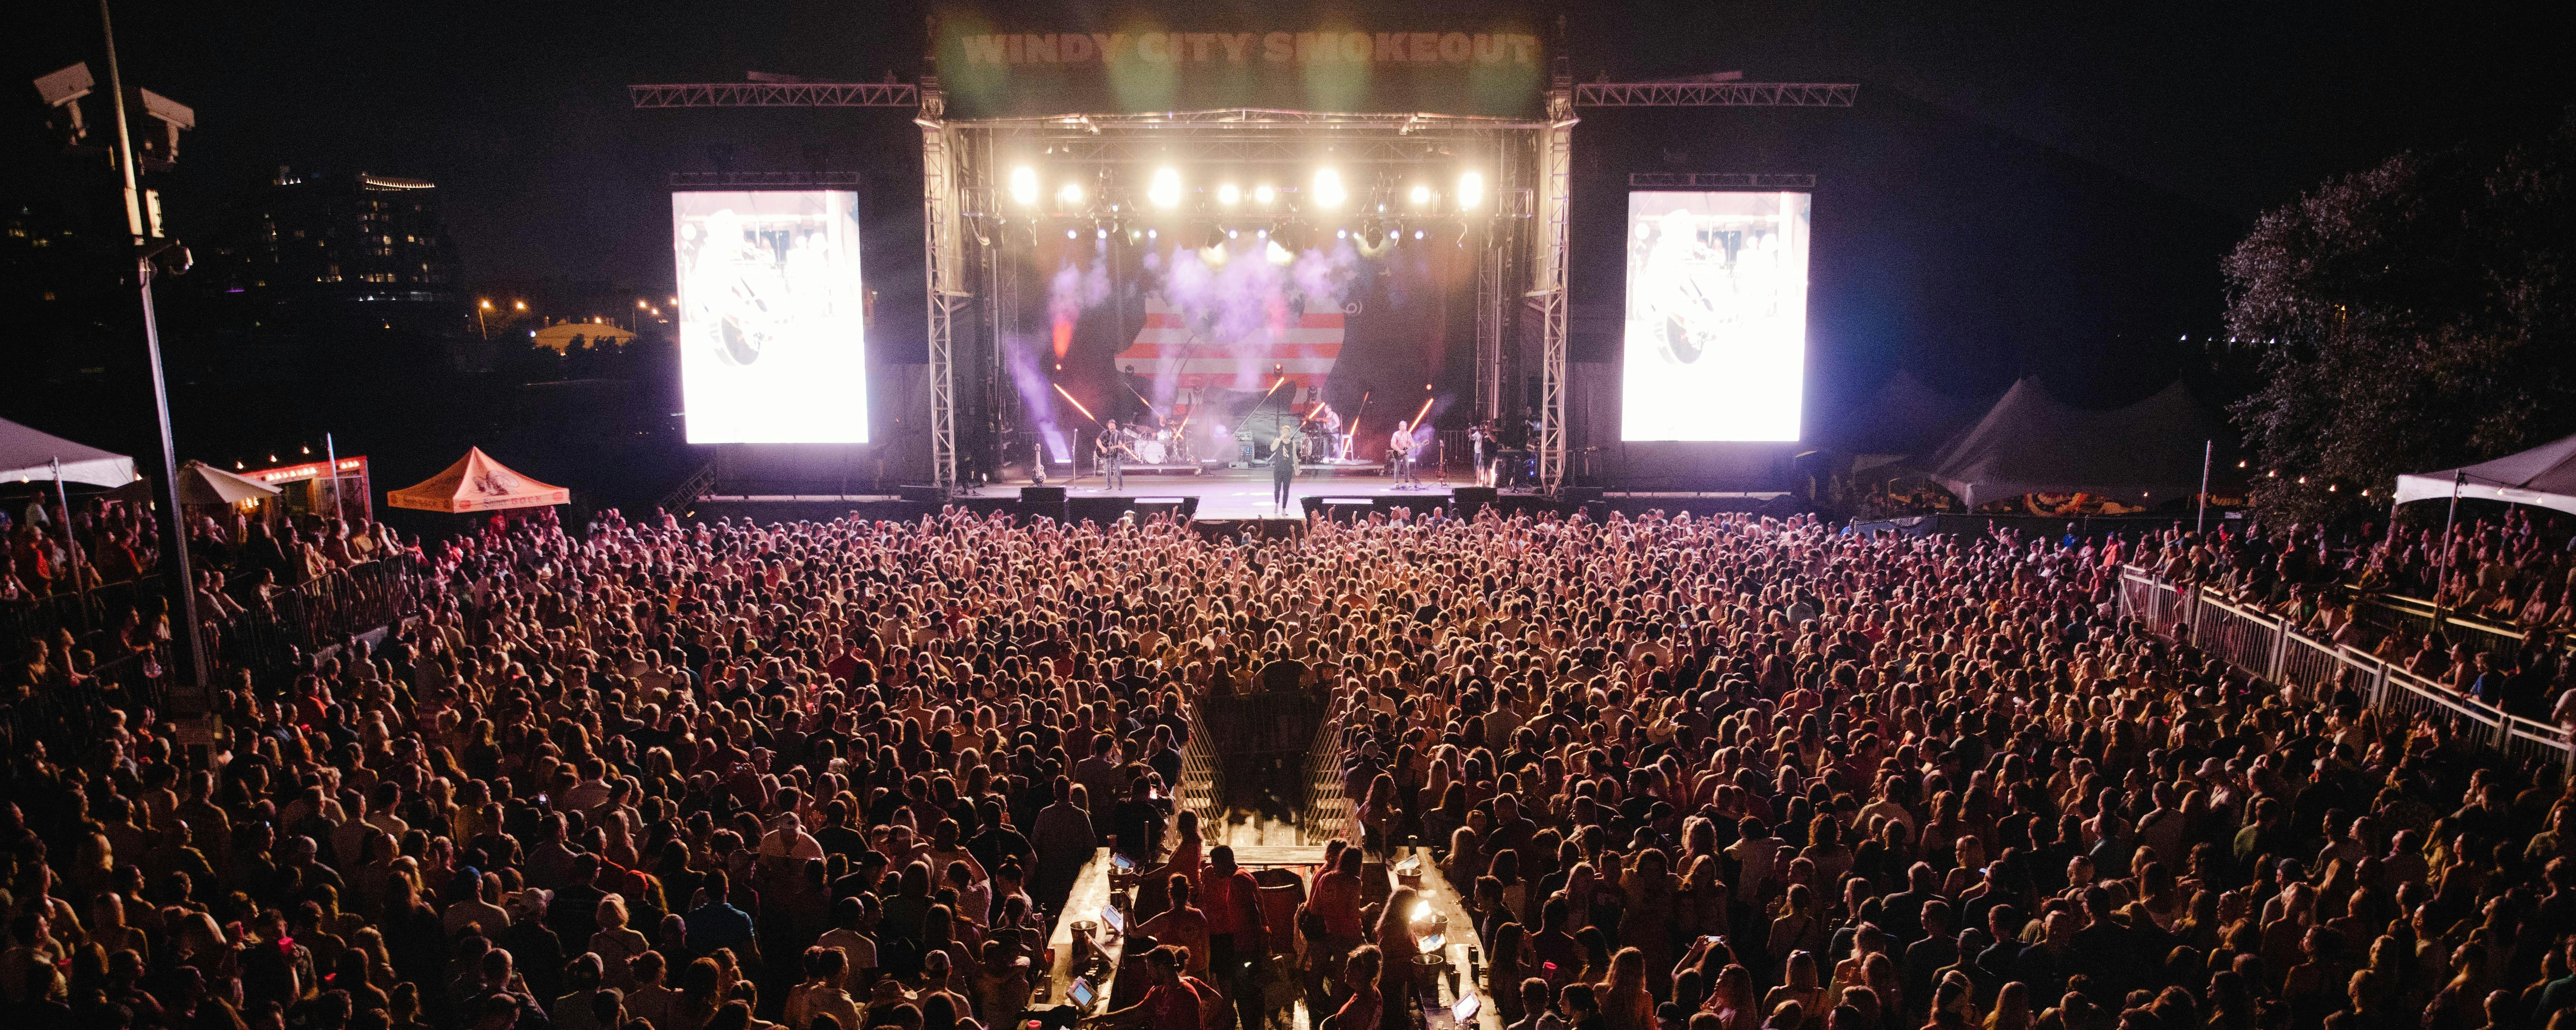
29 454
200 483
1904 417
2543 477
2030 442
478 483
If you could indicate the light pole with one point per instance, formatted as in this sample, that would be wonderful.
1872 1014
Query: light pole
479 308
185 640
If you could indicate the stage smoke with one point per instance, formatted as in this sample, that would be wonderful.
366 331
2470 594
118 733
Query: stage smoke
1035 397
1072 292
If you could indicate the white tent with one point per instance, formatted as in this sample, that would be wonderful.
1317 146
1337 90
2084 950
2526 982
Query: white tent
2543 477
200 483
27 455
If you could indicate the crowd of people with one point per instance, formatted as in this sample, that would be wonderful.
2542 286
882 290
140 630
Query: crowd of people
1689 773
2503 586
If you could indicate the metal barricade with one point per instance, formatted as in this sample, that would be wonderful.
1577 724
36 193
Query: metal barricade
2266 647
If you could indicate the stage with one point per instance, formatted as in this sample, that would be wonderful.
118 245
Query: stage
1225 500
1235 494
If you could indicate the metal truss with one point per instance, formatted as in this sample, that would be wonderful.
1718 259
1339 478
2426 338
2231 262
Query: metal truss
1547 294
776 94
942 276
1721 181
1716 94
762 180
1489 333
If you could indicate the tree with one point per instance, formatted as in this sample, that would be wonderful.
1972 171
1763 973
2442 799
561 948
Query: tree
2409 317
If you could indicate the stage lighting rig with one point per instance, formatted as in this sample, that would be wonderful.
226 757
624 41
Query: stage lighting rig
1165 189
1264 195
1471 189
1421 195
1024 186
1070 197
1228 194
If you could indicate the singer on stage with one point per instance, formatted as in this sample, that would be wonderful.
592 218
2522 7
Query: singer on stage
1283 466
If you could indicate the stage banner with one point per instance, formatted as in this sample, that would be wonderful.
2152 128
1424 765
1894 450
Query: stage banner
1025 61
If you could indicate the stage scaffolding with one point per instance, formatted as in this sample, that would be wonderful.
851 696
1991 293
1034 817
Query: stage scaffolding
963 161
1524 253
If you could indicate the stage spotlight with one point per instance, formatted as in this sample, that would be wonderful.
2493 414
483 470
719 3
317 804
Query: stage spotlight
1229 234
1227 194
1421 195
1070 195
1070 234
1341 234
1471 190
1417 234
1151 234
1024 186
1102 233
1263 194
1165 191
1260 234
1328 188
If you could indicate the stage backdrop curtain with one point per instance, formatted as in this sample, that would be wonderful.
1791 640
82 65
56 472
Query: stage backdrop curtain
2030 442
478 483
2543 477
28 454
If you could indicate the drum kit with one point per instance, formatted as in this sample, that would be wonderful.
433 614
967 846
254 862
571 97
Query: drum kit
1163 447
1156 449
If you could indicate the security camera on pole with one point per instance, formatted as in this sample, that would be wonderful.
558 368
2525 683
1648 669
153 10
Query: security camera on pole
154 254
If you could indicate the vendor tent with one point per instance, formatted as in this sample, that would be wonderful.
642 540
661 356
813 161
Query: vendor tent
200 483
2544 477
1904 418
478 483
2030 442
28 454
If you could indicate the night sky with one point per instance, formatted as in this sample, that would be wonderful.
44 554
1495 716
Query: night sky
517 111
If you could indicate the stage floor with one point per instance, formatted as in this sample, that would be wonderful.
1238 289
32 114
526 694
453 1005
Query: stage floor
1243 493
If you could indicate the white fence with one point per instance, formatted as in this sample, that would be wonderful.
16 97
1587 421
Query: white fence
2260 644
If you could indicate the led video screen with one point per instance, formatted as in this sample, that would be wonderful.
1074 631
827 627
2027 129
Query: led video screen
1715 347
772 317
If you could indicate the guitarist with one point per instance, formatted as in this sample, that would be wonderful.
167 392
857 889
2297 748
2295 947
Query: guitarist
1399 449
1113 452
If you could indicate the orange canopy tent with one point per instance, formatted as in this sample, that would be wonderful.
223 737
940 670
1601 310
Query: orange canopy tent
478 483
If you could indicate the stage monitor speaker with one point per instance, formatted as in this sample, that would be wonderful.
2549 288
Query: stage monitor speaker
1103 510
1043 501
1185 507
919 494
1337 508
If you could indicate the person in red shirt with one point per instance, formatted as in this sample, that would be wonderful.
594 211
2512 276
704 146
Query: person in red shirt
1337 900
1237 935
1168 1004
